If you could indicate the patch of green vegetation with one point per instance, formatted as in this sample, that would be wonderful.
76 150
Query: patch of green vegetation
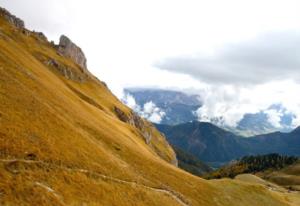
253 164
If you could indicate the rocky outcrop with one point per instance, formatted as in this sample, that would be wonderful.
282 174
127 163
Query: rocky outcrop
67 72
134 120
65 48
70 50
12 19
150 135
41 36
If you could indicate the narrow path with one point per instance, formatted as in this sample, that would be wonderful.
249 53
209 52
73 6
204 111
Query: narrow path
174 195
50 190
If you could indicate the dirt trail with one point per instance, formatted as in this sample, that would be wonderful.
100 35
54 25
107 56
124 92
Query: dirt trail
174 195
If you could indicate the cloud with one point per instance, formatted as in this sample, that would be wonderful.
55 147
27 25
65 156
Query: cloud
130 102
227 104
269 57
152 112
246 77
274 117
148 111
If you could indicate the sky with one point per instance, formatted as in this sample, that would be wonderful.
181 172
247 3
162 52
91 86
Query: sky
240 56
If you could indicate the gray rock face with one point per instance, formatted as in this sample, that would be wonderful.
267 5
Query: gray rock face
12 19
68 49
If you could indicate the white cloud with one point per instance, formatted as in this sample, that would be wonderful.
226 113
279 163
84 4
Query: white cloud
228 104
155 117
150 107
130 102
274 117
148 111
296 121
152 112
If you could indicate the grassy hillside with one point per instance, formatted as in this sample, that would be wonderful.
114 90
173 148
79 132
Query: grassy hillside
288 177
66 140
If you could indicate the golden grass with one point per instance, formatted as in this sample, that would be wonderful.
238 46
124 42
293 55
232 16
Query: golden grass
287 195
66 127
288 177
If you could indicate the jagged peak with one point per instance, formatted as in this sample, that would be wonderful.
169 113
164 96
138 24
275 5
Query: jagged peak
66 46
12 19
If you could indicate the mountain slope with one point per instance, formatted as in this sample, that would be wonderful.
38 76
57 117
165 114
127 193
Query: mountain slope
213 144
284 143
190 163
66 140
288 177
204 140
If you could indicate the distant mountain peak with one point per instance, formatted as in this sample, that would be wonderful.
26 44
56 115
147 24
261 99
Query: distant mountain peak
174 107
164 96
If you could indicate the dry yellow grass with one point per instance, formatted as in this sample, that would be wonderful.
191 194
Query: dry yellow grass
62 144
288 177
289 196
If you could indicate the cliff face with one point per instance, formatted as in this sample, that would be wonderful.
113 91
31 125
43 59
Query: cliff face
63 142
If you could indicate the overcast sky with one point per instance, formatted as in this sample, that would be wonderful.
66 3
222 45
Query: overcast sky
241 56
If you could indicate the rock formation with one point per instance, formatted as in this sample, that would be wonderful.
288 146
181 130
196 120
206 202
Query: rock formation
12 19
67 72
70 50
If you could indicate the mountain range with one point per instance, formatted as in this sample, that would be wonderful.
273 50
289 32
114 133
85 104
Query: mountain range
178 107
215 145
